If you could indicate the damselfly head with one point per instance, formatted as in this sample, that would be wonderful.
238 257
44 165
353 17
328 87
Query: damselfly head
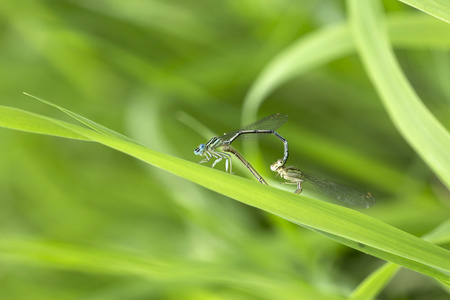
275 166
200 150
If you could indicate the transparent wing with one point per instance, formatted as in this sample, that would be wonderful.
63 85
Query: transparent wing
344 194
272 122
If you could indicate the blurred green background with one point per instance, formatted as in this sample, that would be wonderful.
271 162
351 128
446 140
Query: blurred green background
168 74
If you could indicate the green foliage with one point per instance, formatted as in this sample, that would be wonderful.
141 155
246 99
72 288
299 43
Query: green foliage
418 126
81 221
440 8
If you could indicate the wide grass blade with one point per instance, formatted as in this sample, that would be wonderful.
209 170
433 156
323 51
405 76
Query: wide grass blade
342 224
373 284
26 121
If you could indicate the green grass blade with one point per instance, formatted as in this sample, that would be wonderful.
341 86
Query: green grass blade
373 284
166 270
437 8
418 126
348 226
389 256
25 121
440 235
334 42
305 54
300 57
95 126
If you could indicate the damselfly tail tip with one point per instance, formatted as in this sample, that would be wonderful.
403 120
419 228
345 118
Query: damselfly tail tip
370 199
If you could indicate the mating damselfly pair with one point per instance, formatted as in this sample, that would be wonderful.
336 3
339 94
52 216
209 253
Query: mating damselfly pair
343 194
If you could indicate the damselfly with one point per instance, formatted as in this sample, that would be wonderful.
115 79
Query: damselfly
268 125
344 194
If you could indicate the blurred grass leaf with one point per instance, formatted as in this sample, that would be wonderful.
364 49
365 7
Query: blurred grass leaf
347 226
440 235
373 284
331 43
152 269
414 121
437 8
